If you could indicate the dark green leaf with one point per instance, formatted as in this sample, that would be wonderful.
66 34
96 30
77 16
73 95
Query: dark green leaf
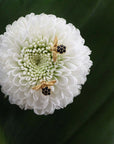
85 120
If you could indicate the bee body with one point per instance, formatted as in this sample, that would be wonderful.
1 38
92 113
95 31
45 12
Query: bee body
61 49
46 91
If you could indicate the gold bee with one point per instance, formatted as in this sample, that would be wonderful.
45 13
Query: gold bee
57 49
45 86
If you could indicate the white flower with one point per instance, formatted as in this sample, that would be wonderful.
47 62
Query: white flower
26 60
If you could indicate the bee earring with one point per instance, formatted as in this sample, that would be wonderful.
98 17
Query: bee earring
45 86
57 49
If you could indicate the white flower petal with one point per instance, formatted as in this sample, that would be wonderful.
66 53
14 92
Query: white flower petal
26 60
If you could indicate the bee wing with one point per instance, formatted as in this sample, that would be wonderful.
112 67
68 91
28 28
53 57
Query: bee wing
51 48
51 83
55 42
54 56
37 87
43 82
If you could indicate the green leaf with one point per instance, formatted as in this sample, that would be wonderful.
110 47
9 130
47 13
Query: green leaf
90 118
99 129
2 137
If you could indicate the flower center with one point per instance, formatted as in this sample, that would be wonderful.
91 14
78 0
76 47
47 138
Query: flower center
36 61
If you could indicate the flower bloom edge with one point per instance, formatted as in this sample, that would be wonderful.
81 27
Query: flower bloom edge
26 60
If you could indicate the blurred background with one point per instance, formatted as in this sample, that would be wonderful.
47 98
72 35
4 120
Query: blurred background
90 118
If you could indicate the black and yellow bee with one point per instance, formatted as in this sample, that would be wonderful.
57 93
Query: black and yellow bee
57 49
45 86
